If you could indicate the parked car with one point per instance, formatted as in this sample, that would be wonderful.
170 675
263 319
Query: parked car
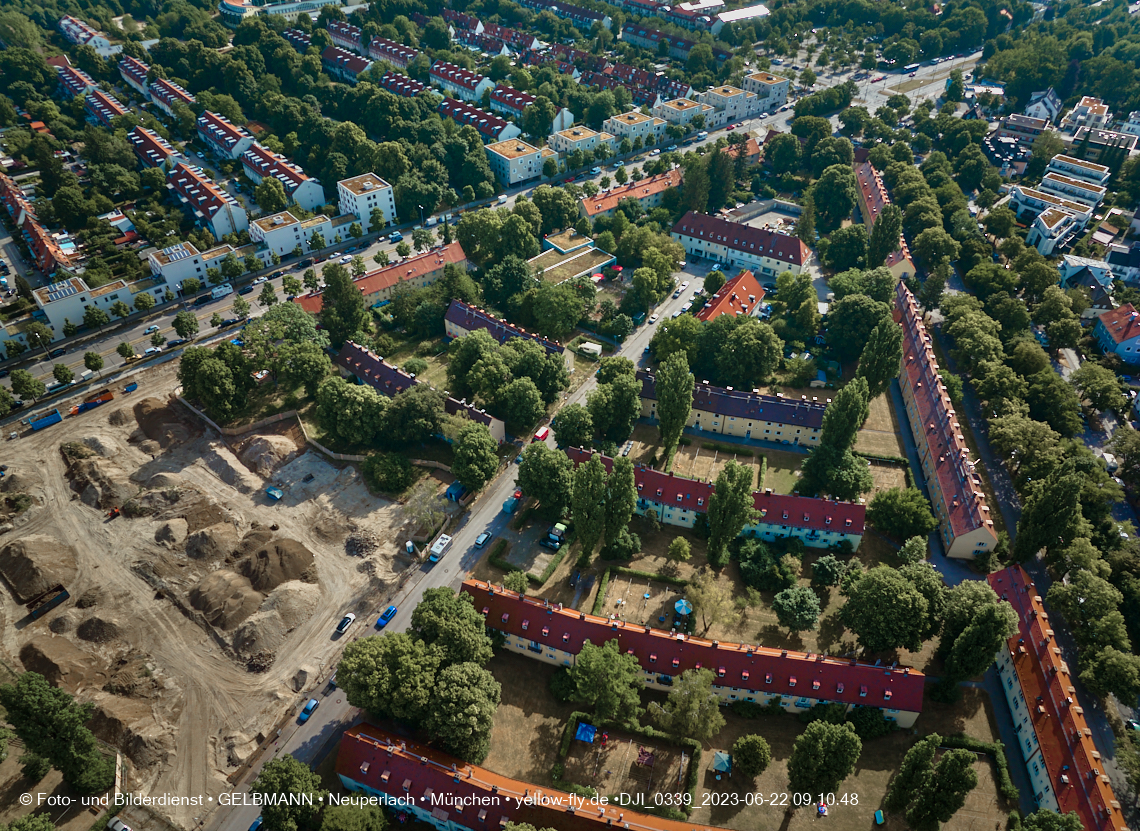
256 825
307 710
150 330
57 353
383 620
246 290
260 280
481 540
345 622
152 350
653 317
173 344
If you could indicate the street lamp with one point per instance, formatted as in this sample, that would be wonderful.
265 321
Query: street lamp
421 207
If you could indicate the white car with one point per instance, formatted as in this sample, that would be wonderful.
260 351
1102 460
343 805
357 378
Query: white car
685 284
686 307
655 152
347 258
345 622
150 330
653 318
676 314
259 280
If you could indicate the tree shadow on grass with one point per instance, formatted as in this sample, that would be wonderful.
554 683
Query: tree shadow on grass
831 632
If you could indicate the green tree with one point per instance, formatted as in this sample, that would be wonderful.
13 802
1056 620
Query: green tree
231 266
546 474
95 318
880 360
822 757
422 238
268 296
610 680
587 503
516 581
185 324
851 320
827 570
1111 670
291 285
301 364
674 387
1099 386
833 196
241 307
751 755
692 708
730 509
797 608
914 773
976 623
125 350
621 498
390 676
901 513
346 817
885 234
886 611
845 415
783 153
933 244
93 361
144 302
476 457
751 353
574 427
679 550
944 792
1045 820
119 309
521 404
26 385
62 373
285 775
615 408
463 710
1000 222
189 286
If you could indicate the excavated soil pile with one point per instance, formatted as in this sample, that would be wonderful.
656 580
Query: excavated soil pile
129 676
121 417
361 543
263 632
226 466
61 663
129 725
100 483
103 446
280 561
294 602
160 422
163 481
99 630
225 598
264 454
35 564
172 533
255 539
21 482
186 502
61 624
213 543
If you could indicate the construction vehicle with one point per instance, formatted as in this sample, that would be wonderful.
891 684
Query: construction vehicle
92 401
43 603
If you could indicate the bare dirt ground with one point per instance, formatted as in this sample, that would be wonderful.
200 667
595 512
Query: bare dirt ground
197 616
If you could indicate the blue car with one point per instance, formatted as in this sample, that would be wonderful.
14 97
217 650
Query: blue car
238 342
389 613
256 824
308 710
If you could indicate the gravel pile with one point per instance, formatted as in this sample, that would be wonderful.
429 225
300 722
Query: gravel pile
261 662
361 543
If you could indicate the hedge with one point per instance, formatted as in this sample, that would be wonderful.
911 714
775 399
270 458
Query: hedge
996 749
496 559
651 575
763 471
603 586
568 732
735 449
890 460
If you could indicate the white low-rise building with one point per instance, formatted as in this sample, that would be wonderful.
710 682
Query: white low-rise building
683 111
763 252
514 161
730 104
183 261
579 139
1054 221
635 125
1074 168
166 95
361 195
771 91
66 301
282 233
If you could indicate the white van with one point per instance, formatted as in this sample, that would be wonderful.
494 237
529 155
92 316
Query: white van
502 199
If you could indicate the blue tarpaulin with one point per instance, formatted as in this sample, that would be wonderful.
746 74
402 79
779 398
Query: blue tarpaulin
585 732
722 762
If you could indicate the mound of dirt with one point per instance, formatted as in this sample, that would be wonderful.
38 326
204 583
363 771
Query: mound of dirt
162 481
282 560
120 418
20 482
90 598
160 422
34 564
225 465
172 533
255 538
294 602
239 748
103 446
131 676
100 483
264 454
61 663
213 543
225 598
99 630
61 624
129 725
263 631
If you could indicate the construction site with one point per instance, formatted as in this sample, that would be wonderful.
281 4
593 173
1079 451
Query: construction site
185 583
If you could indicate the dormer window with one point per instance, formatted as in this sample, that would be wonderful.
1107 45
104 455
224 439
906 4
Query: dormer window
815 685
862 692
545 631
652 657
887 695
525 624
792 681
720 672
767 678
506 618
565 637
744 675
676 663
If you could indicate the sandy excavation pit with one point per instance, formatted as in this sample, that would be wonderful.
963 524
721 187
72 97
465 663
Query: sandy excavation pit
191 615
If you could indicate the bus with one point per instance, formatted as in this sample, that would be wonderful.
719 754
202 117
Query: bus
911 67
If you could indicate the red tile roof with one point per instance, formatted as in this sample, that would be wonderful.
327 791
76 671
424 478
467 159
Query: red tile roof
488 124
75 81
960 485
218 130
460 19
301 40
168 92
773 508
1057 717
444 72
401 85
103 107
192 184
264 162
382 49
344 61
134 69
1121 324
511 99
739 296
644 189
152 149
344 34
744 666
744 238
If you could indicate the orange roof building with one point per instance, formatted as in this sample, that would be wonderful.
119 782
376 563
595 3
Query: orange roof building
739 296
1118 331
1065 768
648 193
872 197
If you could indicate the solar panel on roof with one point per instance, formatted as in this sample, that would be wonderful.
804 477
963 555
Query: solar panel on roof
176 252
61 290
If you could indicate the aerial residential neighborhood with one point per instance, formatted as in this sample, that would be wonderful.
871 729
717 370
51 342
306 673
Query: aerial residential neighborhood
544 416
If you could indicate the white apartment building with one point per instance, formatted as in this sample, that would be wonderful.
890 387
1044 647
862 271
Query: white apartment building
514 161
771 91
1090 112
1097 174
763 252
361 195
1067 187
634 125
81 33
282 233
260 162
730 104
1055 220
683 111
223 137
581 138
183 261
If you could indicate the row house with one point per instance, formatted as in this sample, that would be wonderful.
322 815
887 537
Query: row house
490 127
344 65
259 162
223 137
47 253
301 41
166 94
771 91
1089 112
1118 331
794 681
79 33
535 60
585 60
678 47
635 125
361 195
648 193
744 414
582 19
516 39
1045 105
134 74
676 500
67 300
152 149
742 296
102 108
953 483
402 85
283 233
513 161
642 8
396 54
640 95
461 21
1067 774
75 82
369 368
458 82
764 252
1124 260
510 102
418 271
345 35
871 195
580 139
462 319
211 206
489 46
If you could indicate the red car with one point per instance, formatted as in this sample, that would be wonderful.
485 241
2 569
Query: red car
518 493
730 127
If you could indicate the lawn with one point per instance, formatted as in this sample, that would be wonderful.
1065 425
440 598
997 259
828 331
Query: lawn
783 470
698 461
558 268
881 434
436 357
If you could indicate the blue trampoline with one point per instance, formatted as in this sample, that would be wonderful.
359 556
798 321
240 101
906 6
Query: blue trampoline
585 732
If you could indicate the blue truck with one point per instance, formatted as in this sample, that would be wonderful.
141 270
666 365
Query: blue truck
510 504
44 603
45 420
